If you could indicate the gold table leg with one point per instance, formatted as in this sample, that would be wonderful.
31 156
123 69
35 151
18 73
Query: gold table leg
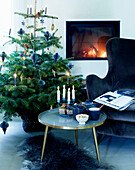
76 135
96 144
44 143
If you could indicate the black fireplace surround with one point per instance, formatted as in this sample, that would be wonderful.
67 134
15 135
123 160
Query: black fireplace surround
86 40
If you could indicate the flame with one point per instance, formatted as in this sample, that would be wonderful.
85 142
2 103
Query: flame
103 55
92 52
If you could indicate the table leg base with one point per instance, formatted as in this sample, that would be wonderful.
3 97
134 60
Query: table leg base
76 135
96 144
44 143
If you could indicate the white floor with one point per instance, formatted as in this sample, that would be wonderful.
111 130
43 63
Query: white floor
116 151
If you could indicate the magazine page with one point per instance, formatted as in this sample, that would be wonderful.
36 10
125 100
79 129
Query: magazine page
115 100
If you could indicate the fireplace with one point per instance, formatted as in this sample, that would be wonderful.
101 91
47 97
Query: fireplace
86 40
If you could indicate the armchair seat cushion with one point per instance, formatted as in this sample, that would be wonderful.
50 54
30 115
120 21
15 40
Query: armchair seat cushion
126 115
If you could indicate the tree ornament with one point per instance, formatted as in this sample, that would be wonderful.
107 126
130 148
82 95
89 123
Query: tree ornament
34 57
26 47
52 27
42 82
4 125
54 73
21 54
23 23
56 57
36 24
21 31
70 66
54 48
37 15
47 35
42 21
28 53
3 55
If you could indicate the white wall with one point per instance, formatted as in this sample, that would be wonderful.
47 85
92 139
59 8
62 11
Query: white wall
87 10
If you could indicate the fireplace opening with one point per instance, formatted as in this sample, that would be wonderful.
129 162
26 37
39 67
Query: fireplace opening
86 40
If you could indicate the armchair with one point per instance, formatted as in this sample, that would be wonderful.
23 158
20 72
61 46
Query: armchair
121 75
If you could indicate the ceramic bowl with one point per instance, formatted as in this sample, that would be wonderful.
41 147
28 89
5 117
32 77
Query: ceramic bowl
82 118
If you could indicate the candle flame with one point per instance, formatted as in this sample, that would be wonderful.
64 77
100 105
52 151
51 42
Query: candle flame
68 74
15 75
24 58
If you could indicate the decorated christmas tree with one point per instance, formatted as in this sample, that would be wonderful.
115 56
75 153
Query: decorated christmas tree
29 84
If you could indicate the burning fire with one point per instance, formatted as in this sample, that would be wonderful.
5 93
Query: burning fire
104 55
94 53
91 53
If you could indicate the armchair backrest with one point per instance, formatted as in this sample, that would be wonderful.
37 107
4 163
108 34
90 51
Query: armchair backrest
121 57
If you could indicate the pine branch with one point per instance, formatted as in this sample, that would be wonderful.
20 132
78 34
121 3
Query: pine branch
35 16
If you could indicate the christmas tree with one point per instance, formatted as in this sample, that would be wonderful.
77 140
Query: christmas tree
29 85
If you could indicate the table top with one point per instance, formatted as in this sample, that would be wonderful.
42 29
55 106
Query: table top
52 118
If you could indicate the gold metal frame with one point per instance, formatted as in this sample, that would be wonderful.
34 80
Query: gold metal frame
70 128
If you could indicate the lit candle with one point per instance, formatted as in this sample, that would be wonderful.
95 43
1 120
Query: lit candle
21 77
73 93
30 9
64 92
24 61
68 96
68 74
58 94
45 10
15 76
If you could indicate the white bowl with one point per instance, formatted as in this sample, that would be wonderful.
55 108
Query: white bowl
82 118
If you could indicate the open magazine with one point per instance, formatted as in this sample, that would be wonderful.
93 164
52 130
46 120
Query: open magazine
117 100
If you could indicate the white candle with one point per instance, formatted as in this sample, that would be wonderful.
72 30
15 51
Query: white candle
28 9
73 93
15 76
68 96
64 92
24 61
58 94
45 10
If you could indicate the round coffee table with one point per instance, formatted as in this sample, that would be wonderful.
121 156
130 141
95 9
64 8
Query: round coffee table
51 118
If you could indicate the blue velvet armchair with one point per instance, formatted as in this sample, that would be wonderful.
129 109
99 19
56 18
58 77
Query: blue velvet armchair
120 76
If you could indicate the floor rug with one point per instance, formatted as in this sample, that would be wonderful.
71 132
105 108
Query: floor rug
60 154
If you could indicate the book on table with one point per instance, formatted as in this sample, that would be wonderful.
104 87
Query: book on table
119 100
